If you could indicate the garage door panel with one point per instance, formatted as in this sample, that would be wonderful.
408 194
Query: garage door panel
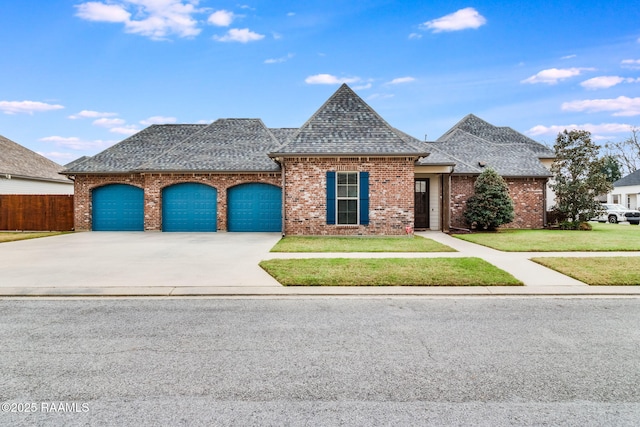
254 207
118 207
189 207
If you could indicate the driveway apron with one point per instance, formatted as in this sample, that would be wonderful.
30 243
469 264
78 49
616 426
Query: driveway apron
136 259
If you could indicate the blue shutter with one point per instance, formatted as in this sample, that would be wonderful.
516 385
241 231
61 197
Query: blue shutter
331 197
364 198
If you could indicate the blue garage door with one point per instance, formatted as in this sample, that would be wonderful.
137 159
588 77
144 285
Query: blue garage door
254 207
118 207
189 207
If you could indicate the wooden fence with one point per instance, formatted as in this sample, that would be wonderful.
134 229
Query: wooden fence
36 212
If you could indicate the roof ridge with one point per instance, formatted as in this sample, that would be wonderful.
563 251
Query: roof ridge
174 146
346 124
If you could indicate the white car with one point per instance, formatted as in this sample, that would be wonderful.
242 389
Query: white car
614 213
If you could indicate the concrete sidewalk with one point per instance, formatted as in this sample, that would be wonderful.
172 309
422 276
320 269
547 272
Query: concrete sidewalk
226 264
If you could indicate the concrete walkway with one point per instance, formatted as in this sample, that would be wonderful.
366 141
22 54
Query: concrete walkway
201 264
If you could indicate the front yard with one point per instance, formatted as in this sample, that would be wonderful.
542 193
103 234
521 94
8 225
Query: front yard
597 271
12 236
359 244
387 272
603 238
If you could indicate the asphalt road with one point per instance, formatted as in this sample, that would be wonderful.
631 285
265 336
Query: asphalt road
321 361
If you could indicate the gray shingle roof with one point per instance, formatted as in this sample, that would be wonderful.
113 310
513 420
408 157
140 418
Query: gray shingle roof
346 125
473 141
632 179
134 151
19 161
224 145
283 135
498 135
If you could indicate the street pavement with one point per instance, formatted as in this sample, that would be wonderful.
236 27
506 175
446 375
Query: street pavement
183 264
321 361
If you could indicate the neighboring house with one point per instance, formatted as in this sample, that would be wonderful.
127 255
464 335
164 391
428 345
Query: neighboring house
346 171
23 171
626 190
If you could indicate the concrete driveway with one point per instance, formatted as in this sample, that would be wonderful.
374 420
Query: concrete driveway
95 261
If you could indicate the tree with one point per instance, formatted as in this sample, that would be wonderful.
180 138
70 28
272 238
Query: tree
578 176
627 152
612 168
490 206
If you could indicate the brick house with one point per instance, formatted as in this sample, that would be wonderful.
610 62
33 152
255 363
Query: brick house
346 171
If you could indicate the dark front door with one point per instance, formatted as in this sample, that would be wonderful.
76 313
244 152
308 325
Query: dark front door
421 213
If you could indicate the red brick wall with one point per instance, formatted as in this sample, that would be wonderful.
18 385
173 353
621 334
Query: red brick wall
153 185
527 195
391 195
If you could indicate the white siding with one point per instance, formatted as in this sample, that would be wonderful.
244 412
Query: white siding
627 196
27 186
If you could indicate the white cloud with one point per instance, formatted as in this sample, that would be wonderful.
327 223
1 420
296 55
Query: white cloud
107 122
605 82
461 20
243 35
158 120
363 87
631 63
88 114
621 106
415 36
96 11
328 79
221 18
279 60
58 157
124 130
569 57
76 143
401 80
291 14
554 75
603 128
27 107
155 19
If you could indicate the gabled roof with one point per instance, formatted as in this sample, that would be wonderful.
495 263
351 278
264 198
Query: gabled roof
499 135
472 142
225 145
632 179
19 161
346 125
134 151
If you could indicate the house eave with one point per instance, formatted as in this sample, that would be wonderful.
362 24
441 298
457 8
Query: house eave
277 155
4 175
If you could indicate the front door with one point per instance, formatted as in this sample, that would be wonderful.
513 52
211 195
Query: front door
421 213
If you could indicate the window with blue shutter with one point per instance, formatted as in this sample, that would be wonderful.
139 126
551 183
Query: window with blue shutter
348 198
364 198
331 197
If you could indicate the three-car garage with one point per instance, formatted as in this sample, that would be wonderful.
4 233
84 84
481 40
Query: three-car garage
189 207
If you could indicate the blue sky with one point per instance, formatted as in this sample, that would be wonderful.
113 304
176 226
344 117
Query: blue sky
77 77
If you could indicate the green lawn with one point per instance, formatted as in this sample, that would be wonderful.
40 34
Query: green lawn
603 237
10 236
387 272
612 271
359 244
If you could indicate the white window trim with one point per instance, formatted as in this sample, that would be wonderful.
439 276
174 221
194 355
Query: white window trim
357 199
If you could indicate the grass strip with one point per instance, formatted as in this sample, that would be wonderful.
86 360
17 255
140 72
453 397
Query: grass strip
10 236
603 238
387 272
359 244
597 271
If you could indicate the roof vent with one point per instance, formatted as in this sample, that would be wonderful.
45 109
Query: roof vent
482 164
